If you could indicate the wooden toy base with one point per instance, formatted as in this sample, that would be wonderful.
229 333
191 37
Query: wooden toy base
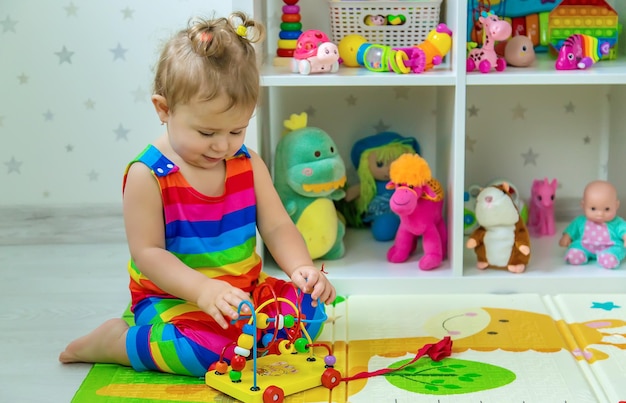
290 372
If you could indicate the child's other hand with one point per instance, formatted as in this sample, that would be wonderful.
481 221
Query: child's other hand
220 300
312 281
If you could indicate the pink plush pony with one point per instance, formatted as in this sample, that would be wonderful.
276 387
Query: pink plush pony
418 200
541 207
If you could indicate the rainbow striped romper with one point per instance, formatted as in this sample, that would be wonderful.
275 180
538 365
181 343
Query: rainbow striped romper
214 235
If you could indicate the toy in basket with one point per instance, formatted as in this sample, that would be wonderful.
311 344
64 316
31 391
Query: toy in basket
391 23
315 53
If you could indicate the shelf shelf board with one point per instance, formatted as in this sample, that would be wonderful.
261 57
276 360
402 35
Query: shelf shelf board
365 270
543 73
281 76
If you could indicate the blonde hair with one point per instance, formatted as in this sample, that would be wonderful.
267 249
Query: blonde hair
211 58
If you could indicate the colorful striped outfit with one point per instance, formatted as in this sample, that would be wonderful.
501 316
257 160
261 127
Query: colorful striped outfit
214 235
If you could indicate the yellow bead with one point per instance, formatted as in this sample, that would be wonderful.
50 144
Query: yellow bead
285 347
262 321
245 341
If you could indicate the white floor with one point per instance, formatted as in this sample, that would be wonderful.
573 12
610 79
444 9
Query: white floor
51 294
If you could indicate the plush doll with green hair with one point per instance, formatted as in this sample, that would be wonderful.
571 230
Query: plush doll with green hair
372 157
309 175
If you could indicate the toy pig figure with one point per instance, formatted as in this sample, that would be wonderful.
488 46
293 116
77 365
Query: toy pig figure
501 241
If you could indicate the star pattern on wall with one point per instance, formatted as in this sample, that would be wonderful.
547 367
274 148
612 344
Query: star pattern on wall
89 104
120 133
472 111
381 127
310 111
519 112
93 176
22 79
13 165
69 148
401 92
65 56
8 25
586 140
469 143
118 52
70 10
127 13
48 115
140 95
569 107
351 100
530 157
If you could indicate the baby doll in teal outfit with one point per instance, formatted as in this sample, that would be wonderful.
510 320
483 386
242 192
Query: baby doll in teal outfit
372 156
598 234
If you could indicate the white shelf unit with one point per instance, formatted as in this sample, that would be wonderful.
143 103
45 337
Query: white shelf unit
364 269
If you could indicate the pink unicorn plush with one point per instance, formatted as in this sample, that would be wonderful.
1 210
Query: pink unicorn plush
541 207
418 200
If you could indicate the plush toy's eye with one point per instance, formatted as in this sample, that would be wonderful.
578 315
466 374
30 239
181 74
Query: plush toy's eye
317 153
524 48
570 56
539 198
379 164
332 149
410 186
552 197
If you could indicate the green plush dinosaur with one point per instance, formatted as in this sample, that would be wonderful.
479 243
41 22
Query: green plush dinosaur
309 174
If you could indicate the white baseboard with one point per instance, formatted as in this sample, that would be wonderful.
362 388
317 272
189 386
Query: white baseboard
31 225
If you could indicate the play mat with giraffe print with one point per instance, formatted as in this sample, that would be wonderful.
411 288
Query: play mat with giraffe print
506 348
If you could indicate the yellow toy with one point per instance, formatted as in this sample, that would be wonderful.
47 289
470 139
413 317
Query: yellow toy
355 51
289 366
348 48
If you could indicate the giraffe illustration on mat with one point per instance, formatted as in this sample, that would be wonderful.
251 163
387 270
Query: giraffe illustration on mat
485 57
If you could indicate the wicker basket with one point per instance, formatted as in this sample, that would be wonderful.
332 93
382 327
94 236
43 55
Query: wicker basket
351 17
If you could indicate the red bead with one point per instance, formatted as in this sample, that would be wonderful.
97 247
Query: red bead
238 363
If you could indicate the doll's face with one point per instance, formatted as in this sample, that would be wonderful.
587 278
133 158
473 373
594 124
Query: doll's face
378 167
600 202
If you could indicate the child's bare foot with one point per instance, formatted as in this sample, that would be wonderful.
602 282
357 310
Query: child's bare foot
105 344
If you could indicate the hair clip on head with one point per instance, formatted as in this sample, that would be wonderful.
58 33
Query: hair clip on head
242 31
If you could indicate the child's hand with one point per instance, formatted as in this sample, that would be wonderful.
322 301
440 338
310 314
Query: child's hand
312 281
221 300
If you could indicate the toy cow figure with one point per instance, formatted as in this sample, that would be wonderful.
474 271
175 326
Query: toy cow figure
580 52
418 200
315 53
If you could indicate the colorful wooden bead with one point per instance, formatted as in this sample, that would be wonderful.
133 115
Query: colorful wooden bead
238 363
245 341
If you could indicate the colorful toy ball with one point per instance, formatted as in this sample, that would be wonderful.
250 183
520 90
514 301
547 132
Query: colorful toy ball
348 49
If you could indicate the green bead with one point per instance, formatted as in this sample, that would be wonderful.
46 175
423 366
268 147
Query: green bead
235 376
301 345
289 321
